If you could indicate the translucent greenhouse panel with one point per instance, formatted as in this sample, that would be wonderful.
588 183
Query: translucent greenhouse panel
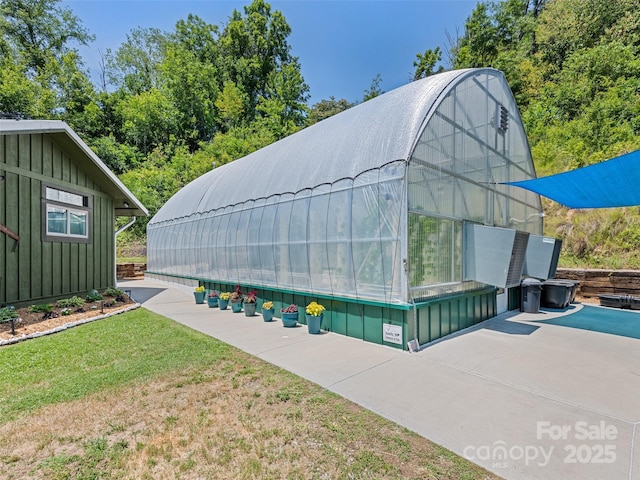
178 254
221 245
391 204
199 247
212 235
339 239
152 248
266 247
253 243
317 240
434 251
232 245
281 241
366 231
205 250
243 274
298 254
169 260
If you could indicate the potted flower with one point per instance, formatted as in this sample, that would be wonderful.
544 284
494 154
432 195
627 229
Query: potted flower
212 299
267 311
223 300
290 315
314 313
236 300
199 294
249 304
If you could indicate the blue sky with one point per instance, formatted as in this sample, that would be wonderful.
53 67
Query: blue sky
341 45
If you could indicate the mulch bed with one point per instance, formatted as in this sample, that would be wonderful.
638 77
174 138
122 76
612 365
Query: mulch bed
30 323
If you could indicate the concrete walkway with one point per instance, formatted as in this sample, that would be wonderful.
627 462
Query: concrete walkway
523 399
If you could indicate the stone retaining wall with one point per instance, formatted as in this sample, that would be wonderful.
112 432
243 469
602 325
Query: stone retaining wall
130 271
595 281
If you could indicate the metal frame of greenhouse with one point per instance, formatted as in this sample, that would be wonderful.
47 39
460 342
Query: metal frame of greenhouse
367 212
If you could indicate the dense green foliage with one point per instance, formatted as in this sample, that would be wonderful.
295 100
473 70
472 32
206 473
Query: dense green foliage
574 68
171 105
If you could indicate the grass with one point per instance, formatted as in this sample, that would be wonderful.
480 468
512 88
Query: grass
131 260
138 396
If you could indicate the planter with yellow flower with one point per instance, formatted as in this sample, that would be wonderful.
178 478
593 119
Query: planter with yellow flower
223 300
314 314
267 311
199 294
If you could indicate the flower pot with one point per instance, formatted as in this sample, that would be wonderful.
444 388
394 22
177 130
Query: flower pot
249 309
289 319
236 307
223 304
212 302
199 296
314 323
267 314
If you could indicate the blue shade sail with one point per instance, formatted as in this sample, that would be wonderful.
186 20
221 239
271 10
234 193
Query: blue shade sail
613 183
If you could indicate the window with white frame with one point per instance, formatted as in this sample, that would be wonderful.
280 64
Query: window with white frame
66 215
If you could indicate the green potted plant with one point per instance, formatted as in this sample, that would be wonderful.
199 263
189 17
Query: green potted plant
212 299
199 294
223 300
314 313
290 316
267 311
249 304
236 300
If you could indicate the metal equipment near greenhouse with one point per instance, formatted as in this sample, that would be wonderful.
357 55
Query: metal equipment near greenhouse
393 214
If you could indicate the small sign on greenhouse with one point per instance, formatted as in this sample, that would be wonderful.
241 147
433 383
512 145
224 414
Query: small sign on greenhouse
392 333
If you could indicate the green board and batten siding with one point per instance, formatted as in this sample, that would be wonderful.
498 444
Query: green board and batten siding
44 270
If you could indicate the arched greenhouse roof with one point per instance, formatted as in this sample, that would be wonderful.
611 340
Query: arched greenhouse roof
364 137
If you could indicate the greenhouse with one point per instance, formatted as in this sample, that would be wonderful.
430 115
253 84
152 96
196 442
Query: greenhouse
392 214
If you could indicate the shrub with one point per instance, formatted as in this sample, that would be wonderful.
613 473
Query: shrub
7 313
43 308
113 292
72 302
93 296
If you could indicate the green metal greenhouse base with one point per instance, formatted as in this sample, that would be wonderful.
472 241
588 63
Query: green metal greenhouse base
381 323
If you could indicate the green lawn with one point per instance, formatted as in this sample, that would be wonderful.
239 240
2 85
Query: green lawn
139 396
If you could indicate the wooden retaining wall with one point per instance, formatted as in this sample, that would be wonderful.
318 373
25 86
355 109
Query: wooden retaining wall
130 271
595 281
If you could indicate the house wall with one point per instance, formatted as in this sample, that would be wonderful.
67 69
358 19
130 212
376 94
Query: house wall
39 271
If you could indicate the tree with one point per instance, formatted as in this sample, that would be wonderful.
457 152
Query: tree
230 105
426 64
149 120
42 74
39 31
253 47
135 66
374 89
327 108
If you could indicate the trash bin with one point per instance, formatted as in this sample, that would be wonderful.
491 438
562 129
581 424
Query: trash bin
558 293
530 293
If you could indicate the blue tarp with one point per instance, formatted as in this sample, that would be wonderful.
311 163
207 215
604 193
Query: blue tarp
613 183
